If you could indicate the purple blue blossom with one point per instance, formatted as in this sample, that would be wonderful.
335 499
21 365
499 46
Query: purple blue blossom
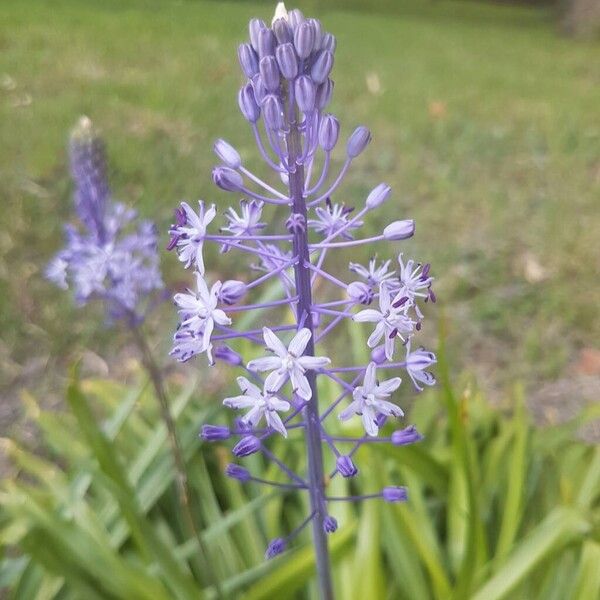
110 255
287 236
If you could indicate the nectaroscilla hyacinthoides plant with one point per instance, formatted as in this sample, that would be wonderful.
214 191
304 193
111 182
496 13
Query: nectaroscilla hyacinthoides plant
284 99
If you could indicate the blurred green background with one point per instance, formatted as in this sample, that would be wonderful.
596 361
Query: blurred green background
486 122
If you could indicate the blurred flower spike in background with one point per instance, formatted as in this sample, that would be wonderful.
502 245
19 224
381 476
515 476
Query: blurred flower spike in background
110 255
284 100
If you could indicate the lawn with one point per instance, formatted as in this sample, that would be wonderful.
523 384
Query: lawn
485 122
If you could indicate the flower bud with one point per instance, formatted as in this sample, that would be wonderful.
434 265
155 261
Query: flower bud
304 39
237 472
305 93
287 61
283 31
295 18
399 230
378 355
328 42
296 223
227 179
322 66
318 29
232 291
254 27
269 73
329 130
266 43
360 292
346 467
248 60
247 104
394 494
330 524
408 435
246 446
285 178
227 355
275 547
358 141
227 153
273 112
378 195
215 433
259 89
324 93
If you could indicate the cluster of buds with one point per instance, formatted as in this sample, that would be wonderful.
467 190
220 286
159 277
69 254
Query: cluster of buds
288 68
111 256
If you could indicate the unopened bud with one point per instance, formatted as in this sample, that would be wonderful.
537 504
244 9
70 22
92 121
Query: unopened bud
378 195
399 230
227 153
358 141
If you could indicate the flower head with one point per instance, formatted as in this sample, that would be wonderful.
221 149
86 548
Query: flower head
370 400
262 403
288 363
188 233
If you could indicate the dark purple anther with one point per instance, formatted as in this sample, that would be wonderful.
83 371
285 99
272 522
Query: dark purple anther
305 93
378 196
330 524
358 141
393 334
324 93
283 31
254 27
399 230
418 326
227 355
227 179
406 436
432 295
228 154
246 446
247 104
215 433
273 112
232 291
426 270
322 66
329 131
172 242
237 472
287 61
180 218
275 547
269 73
346 467
248 60
304 39
266 43
394 494
400 302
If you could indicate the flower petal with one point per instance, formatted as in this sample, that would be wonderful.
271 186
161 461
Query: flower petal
313 362
273 343
275 380
299 342
370 422
265 363
274 421
368 315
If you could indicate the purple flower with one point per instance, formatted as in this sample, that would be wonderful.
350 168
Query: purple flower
112 256
188 237
370 400
288 85
261 404
288 363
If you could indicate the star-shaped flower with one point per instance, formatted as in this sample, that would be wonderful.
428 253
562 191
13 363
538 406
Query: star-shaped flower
247 222
373 275
416 363
288 363
261 403
199 313
370 400
413 280
392 322
189 232
333 218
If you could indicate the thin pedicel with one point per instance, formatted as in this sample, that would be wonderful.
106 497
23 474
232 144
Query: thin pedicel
288 67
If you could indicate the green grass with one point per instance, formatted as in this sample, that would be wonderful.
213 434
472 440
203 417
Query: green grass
507 172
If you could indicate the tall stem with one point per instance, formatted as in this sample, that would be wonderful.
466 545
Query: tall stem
185 496
311 411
